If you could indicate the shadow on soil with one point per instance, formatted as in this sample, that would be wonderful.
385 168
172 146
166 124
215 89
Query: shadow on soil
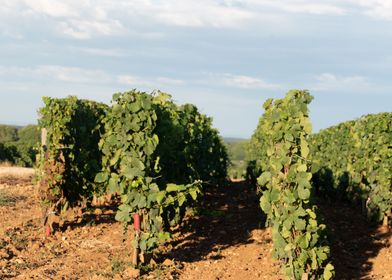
227 216
95 216
354 240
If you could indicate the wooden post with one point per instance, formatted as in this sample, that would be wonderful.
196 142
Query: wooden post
44 134
385 221
136 227
45 212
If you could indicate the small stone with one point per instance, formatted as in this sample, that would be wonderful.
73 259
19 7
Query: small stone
4 254
19 261
35 246
131 273
168 262
153 263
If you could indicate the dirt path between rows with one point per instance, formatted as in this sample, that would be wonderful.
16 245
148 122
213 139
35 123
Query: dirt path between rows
225 238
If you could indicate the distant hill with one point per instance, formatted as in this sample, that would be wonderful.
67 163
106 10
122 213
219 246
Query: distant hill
233 139
236 147
18 144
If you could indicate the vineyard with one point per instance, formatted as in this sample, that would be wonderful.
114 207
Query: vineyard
150 178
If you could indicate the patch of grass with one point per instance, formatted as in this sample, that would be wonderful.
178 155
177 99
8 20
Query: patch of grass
18 240
237 169
118 266
7 200
6 164
210 212
105 274
3 244
146 268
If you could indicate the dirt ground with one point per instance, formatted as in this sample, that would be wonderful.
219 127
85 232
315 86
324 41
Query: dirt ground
225 238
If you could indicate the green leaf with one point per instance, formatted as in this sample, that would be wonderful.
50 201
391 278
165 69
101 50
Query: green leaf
143 245
174 188
265 202
264 178
328 271
312 223
132 172
142 203
303 242
123 213
160 196
193 192
311 213
163 236
279 240
267 103
153 187
303 194
321 255
137 163
116 157
181 199
289 137
300 224
101 177
302 168
307 126
304 149
113 187
149 148
300 212
275 116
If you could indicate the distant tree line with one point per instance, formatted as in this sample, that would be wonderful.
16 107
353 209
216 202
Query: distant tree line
236 149
18 145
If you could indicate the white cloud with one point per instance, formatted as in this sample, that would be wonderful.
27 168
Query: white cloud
72 74
56 73
247 82
101 52
151 83
51 8
300 6
85 19
328 81
76 75
86 29
377 9
133 81
201 13
170 81
79 19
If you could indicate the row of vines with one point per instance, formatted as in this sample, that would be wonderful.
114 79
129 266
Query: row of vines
154 155
281 164
290 166
353 161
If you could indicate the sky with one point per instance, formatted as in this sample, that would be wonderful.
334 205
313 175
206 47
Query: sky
225 56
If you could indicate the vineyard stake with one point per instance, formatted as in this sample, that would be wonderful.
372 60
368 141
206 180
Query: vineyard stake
44 147
136 227
385 221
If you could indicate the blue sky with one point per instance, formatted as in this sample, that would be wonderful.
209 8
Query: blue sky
225 56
